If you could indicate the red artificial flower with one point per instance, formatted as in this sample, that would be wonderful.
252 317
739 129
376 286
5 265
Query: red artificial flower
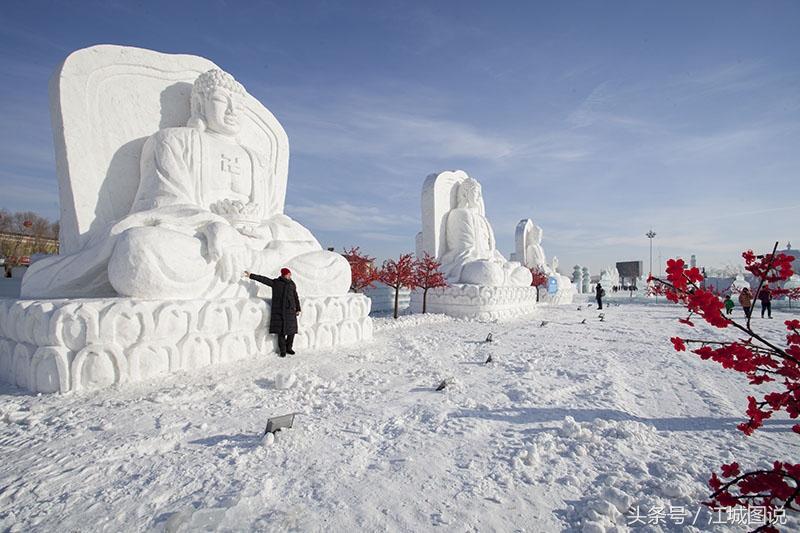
731 470
678 344
675 273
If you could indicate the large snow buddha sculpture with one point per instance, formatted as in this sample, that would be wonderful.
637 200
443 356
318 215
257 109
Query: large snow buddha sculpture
199 218
471 256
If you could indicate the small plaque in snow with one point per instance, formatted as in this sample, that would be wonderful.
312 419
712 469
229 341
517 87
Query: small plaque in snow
278 423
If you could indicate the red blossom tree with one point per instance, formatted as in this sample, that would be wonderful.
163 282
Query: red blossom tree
362 269
428 276
398 274
763 361
540 279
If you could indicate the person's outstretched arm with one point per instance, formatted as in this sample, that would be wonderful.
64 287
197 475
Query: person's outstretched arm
261 279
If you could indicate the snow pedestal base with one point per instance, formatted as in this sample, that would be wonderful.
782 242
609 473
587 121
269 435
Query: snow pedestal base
70 345
560 297
476 301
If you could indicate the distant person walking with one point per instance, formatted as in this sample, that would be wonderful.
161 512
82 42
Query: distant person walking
284 309
746 301
599 293
729 305
765 295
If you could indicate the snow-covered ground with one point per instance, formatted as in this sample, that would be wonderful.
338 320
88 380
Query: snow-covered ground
569 428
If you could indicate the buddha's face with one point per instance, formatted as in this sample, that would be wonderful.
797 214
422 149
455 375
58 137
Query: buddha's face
470 194
222 112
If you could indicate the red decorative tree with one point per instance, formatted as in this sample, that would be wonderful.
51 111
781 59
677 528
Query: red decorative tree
763 361
428 276
398 274
540 279
362 269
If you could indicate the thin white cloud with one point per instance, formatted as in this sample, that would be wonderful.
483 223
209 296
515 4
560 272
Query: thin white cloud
343 216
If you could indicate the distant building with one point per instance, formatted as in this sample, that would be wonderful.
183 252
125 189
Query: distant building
629 272
795 253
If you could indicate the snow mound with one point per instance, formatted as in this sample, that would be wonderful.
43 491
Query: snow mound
409 321
608 483
285 380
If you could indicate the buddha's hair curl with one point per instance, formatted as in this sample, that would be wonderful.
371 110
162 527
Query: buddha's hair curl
203 86
214 78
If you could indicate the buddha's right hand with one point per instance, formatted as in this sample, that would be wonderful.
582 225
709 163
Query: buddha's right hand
218 236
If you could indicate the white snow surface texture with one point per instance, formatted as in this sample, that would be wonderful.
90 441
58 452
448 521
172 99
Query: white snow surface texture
569 427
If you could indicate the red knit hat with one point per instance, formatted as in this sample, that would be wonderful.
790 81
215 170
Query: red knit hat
285 272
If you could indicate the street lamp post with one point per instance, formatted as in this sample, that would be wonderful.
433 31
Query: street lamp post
651 235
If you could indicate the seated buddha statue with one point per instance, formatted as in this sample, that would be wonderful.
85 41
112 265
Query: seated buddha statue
534 253
471 256
197 221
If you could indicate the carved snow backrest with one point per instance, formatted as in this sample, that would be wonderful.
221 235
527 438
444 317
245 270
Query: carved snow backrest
439 196
105 101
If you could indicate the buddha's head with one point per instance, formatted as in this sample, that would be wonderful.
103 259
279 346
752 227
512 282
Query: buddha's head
469 194
217 103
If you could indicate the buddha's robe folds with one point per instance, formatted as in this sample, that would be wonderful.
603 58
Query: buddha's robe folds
173 246
472 257
535 254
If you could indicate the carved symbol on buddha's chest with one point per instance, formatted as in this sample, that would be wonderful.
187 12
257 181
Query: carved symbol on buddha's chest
230 165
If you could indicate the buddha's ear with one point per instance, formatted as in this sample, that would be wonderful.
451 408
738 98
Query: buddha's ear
196 113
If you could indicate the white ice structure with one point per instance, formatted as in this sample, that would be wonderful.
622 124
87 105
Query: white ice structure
455 230
792 283
529 252
172 182
382 297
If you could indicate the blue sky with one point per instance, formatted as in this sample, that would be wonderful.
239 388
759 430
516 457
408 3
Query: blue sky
597 120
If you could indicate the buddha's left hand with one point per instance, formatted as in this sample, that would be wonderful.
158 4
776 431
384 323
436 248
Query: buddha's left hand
232 262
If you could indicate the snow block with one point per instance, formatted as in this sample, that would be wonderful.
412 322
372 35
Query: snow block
382 297
83 344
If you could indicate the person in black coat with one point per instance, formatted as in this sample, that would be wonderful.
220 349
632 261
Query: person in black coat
765 295
599 293
284 309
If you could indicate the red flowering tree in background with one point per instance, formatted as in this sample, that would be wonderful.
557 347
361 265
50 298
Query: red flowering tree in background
540 279
398 274
428 276
362 269
762 360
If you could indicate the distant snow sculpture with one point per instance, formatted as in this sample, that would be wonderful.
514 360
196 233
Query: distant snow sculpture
470 254
739 283
609 277
456 231
576 278
528 246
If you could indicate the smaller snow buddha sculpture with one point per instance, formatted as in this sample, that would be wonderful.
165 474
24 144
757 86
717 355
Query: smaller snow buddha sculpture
471 256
